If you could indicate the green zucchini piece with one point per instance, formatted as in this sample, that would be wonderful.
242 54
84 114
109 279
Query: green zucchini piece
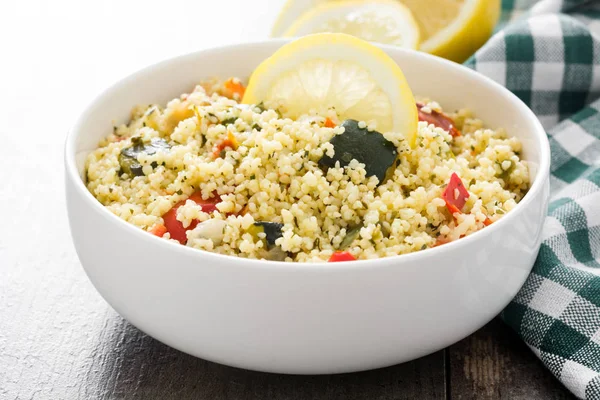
351 235
369 148
273 231
128 159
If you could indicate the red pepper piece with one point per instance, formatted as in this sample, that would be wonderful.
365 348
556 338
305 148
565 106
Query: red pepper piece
341 256
438 119
455 195
175 227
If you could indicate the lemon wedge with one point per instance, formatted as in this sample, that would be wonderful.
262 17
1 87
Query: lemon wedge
453 29
336 71
383 21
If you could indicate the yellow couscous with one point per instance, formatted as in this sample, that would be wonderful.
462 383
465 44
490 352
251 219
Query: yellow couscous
217 175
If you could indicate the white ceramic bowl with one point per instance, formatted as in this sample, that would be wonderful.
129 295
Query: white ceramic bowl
306 318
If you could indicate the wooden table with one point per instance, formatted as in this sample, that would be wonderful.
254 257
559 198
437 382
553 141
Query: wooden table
58 338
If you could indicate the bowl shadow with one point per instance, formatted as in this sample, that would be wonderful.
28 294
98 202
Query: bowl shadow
130 364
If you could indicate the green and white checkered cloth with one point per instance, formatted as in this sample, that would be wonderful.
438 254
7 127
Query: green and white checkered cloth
548 53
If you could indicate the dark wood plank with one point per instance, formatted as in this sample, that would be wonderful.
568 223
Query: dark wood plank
127 364
494 363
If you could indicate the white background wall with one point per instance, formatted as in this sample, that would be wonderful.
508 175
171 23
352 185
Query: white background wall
55 55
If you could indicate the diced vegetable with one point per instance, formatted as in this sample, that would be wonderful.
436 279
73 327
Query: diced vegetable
440 241
275 254
234 89
455 195
487 222
452 208
351 235
213 229
329 123
272 231
369 148
438 119
128 159
219 149
175 227
244 210
341 256
158 230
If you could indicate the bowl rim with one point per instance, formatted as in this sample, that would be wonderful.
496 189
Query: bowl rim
72 173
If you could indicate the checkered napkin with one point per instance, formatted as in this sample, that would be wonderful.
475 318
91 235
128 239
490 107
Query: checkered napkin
548 53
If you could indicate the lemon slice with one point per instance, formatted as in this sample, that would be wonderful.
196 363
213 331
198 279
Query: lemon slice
383 21
333 70
453 29
290 13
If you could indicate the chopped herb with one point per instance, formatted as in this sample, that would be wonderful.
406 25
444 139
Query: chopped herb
179 192
500 211
130 211
144 124
505 174
110 190
423 247
261 107
252 176
150 111
229 121
257 127
317 243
